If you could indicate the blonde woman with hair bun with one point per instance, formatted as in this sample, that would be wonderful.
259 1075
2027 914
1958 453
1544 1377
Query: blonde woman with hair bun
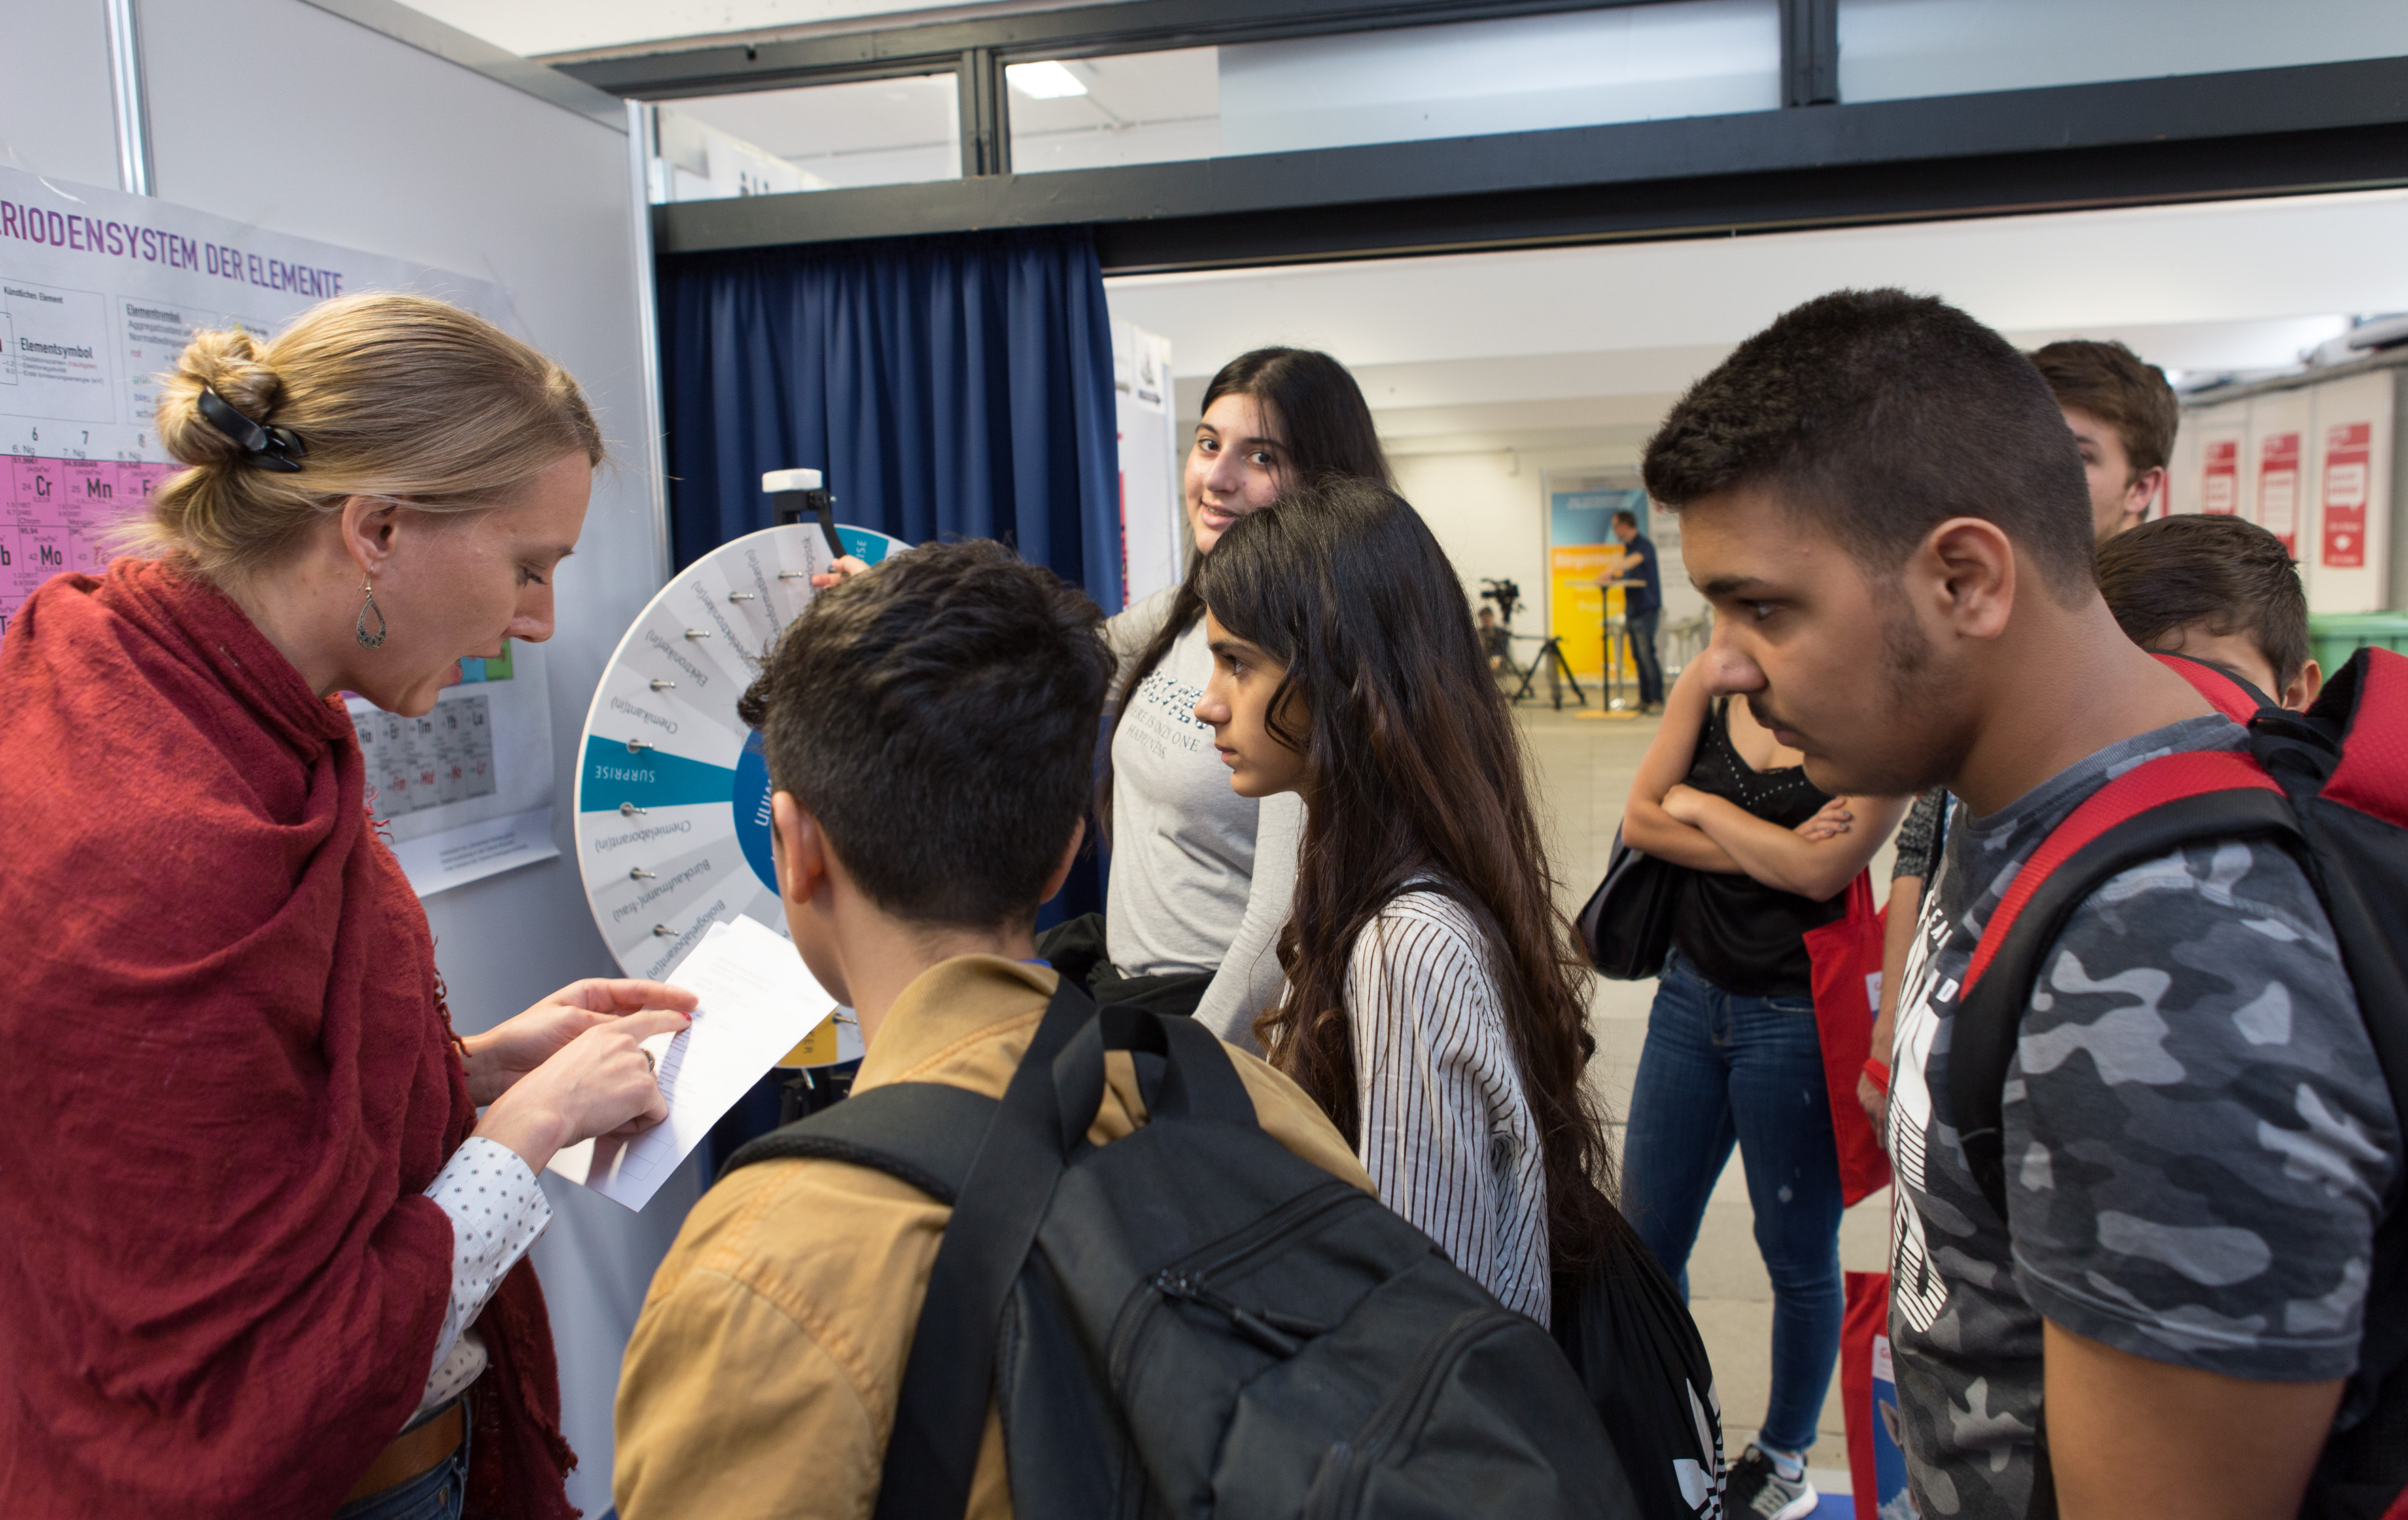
270 1258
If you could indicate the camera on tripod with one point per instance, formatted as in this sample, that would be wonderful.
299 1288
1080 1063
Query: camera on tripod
1504 593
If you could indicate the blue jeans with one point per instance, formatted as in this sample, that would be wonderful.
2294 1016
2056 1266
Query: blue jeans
440 1492
1642 627
1718 1068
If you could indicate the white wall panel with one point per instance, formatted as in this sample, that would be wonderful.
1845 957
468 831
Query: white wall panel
2182 474
56 112
2221 440
2274 465
2347 561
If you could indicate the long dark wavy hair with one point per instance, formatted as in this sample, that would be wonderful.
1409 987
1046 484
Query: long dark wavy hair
1413 768
1320 415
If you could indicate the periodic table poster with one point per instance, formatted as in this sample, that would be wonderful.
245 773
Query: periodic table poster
99 290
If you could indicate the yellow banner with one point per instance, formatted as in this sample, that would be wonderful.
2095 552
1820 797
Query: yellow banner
1578 606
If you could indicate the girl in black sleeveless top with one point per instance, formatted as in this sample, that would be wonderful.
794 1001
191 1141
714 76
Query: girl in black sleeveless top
1742 935
1731 1053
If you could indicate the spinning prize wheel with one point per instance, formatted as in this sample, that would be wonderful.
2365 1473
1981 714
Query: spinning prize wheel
672 792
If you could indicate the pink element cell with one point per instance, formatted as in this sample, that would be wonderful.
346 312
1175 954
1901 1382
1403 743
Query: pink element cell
58 515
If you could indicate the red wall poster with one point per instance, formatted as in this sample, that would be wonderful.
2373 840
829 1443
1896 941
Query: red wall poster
2347 450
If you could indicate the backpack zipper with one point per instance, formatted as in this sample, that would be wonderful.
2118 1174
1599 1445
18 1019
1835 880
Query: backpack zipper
1235 1250
1406 1412
1246 1244
1282 1335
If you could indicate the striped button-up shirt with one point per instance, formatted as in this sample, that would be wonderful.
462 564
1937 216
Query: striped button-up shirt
1448 1135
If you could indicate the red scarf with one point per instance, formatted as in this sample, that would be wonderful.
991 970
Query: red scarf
229 1078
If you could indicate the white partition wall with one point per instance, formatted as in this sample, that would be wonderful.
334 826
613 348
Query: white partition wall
2274 461
2218 438
1153 532
2311 462
2182 474
285 115
2347 555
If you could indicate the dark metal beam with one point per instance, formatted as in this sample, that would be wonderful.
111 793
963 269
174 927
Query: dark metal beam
2259 132
1809 52
1072 32
2145 174
987 129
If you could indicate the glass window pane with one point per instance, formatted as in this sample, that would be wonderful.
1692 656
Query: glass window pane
1895 49
1521 74
826 137
1144 108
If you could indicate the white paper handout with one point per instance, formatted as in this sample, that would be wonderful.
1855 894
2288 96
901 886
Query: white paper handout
758 999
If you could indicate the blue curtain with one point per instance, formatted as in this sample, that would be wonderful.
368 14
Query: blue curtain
957 386
949 387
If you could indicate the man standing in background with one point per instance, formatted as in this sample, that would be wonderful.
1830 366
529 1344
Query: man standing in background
2123 415
1495 641
1642 606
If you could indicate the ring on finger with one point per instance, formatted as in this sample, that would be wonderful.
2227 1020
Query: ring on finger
650 1065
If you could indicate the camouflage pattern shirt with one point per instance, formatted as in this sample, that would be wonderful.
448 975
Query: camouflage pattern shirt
2192 1086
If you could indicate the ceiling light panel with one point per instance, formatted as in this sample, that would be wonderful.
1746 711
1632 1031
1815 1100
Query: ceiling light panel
1048 80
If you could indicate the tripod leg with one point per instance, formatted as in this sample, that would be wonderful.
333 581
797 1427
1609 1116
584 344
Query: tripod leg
1566 665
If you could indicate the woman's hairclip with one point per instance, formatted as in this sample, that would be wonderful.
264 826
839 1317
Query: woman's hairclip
279 449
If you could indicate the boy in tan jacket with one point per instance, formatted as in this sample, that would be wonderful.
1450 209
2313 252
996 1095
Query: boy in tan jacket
930 730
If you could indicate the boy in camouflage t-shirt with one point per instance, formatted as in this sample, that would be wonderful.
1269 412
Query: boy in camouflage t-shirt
1882 501
2198 1138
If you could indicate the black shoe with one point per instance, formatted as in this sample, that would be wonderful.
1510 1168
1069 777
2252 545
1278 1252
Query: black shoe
1755 1490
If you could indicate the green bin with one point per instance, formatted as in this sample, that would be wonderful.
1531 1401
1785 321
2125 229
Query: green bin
2334 637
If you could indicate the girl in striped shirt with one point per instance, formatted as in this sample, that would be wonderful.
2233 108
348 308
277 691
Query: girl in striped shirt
1436 1000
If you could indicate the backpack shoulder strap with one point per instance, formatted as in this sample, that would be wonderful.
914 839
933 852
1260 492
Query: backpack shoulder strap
948 1378
2229 693
924 1133
2146 813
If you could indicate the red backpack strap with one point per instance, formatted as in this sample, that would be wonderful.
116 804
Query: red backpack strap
2167 778
2226 693
2162 805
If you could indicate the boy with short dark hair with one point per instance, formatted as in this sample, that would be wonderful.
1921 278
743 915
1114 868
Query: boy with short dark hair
2219 590
2123 415
1880 498
929 726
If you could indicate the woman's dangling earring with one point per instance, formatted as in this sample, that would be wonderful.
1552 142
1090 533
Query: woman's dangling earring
360 631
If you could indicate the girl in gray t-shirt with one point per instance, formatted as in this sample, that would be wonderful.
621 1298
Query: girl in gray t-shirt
1200 877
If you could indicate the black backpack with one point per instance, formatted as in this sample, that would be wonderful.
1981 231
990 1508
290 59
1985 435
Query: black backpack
2331 784
1195 1321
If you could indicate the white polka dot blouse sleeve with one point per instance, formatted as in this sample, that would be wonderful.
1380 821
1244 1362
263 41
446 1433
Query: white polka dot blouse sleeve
1448 1136
497 1210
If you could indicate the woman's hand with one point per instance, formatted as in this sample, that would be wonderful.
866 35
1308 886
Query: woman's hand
1829 823
600 1083
1684 804
501 1055
1876 1106
845 567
